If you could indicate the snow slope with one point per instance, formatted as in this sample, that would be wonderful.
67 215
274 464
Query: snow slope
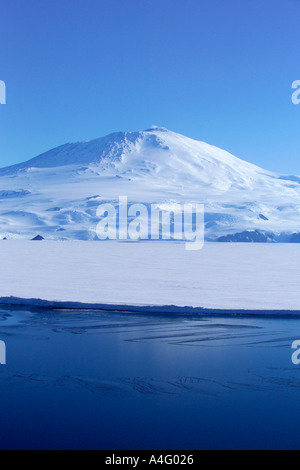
221 276
57 193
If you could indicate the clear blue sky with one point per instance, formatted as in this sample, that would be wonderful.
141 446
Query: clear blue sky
216 70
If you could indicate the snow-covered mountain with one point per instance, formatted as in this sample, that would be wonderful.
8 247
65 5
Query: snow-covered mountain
57 193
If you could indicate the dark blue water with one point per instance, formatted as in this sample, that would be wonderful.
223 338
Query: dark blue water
97 380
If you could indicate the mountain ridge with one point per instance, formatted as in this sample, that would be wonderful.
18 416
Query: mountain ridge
155 165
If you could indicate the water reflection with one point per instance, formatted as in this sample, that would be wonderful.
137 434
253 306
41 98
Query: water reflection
110 380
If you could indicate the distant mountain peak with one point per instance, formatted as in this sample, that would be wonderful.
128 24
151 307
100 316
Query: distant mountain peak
154 153
54 192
